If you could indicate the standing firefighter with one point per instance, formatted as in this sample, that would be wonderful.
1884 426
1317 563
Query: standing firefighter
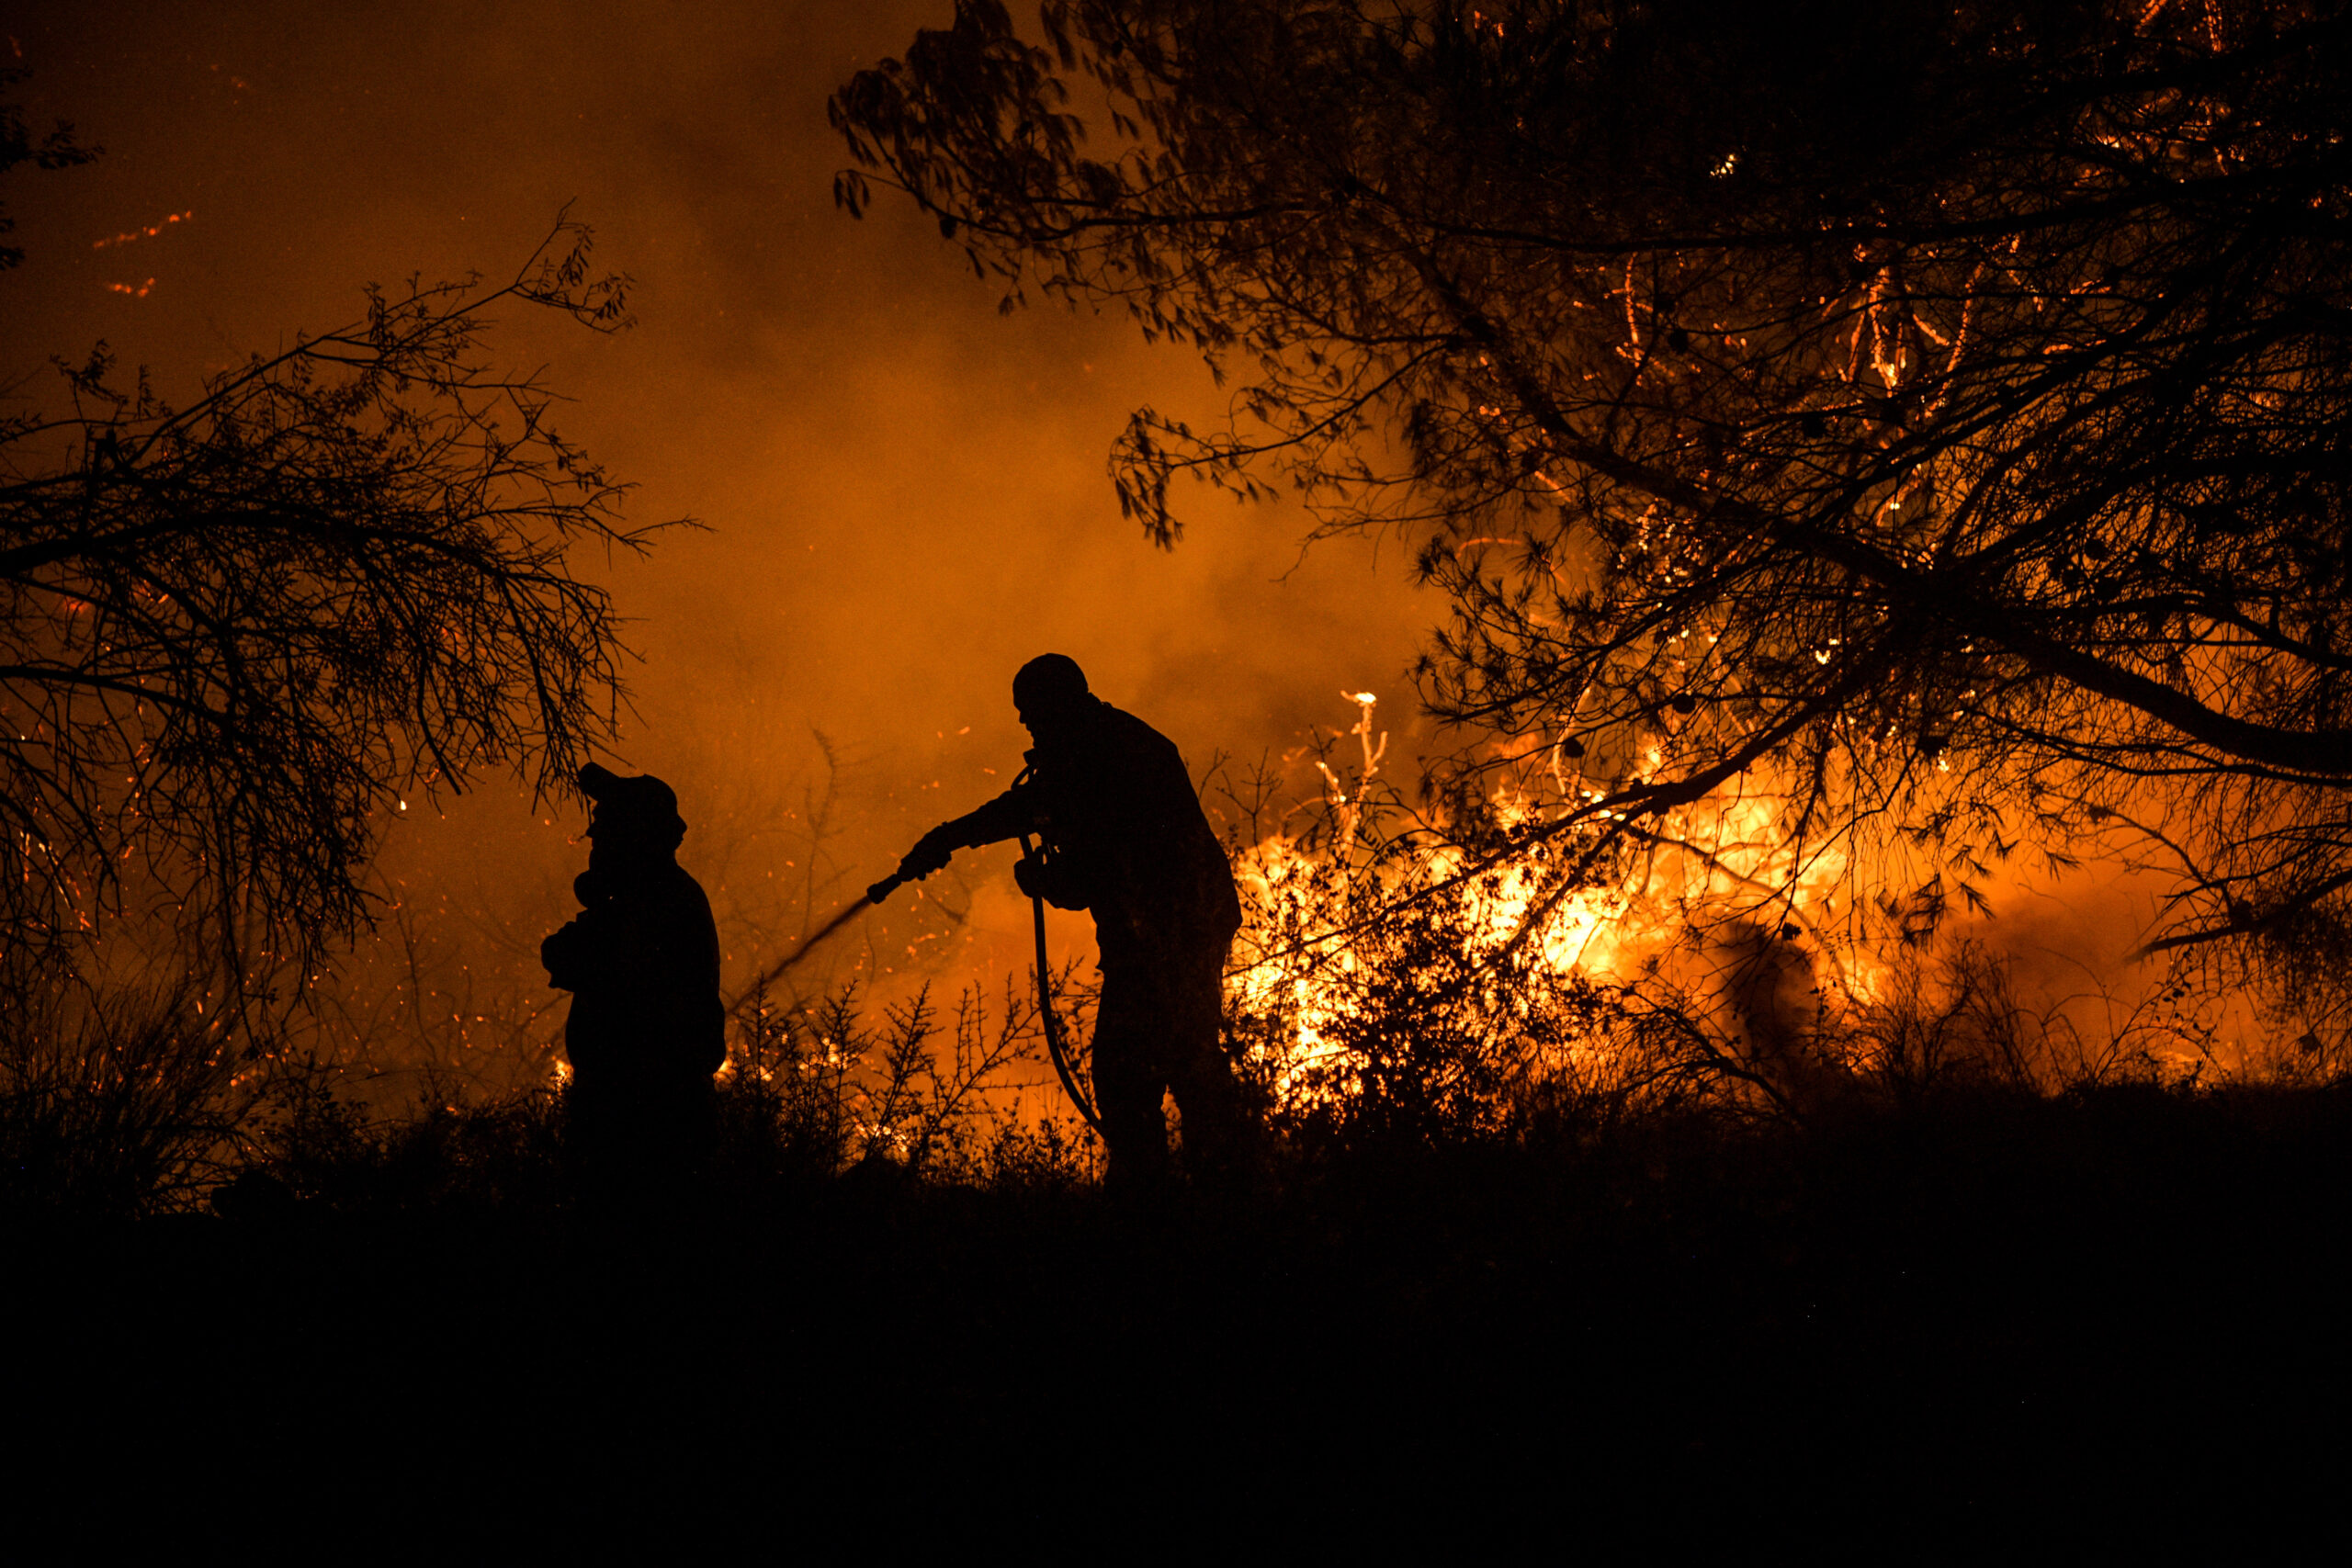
1124 837
646 1029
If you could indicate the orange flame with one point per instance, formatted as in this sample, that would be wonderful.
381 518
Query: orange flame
1728 855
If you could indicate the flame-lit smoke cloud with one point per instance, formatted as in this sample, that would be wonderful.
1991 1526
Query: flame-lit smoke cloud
903 491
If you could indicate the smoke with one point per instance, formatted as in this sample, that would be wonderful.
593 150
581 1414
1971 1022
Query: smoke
901 491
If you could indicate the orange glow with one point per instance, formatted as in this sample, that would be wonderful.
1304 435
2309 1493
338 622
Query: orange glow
149 233
905 500
1721 860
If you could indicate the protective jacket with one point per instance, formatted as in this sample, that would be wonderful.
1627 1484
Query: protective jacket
642 962
1116 808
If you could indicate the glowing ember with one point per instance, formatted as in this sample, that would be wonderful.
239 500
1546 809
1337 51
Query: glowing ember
149 233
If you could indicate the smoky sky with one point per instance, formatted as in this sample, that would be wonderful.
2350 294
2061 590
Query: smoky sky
901 491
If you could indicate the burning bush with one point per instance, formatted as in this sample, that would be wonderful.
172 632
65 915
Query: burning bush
1430 974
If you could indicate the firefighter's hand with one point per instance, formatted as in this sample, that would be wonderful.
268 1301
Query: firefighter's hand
560 956
931 852
1027 875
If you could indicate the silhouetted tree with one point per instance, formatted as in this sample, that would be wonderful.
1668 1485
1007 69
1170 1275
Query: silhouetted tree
1942 409
235 635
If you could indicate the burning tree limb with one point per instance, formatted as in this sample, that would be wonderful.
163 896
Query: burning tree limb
236 636
1943 407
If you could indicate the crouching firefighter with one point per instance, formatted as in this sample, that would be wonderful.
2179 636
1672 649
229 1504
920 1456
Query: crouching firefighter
1124 838
646 1029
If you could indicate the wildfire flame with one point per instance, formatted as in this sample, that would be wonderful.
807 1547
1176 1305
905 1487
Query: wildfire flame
1312 899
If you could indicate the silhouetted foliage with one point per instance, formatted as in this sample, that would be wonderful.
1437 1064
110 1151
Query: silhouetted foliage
1426 1027
1975 1307
119 1104
333 1153
234 637
813 1094
55 150
837 1090
1936 412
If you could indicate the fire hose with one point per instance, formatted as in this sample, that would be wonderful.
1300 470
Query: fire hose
1033 855
1045 1013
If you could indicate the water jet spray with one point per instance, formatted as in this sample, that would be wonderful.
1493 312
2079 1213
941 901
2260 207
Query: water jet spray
1031 854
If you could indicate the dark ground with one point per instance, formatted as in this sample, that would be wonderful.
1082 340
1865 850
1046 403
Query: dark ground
2105 1313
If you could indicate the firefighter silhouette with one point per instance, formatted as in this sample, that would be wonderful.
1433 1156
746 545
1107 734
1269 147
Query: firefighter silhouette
646 1029
1126 839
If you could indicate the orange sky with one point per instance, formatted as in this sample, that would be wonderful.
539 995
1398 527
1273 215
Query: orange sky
905 490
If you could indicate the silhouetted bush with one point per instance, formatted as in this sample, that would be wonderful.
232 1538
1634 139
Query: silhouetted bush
115 1104
809 1095
1417 1035
1413 1051
506 1152
821 1088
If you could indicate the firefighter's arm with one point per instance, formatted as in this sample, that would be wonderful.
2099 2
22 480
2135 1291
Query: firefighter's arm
567 957
601 948
1007 817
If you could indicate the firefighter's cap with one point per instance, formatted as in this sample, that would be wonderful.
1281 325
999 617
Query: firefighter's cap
641 805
